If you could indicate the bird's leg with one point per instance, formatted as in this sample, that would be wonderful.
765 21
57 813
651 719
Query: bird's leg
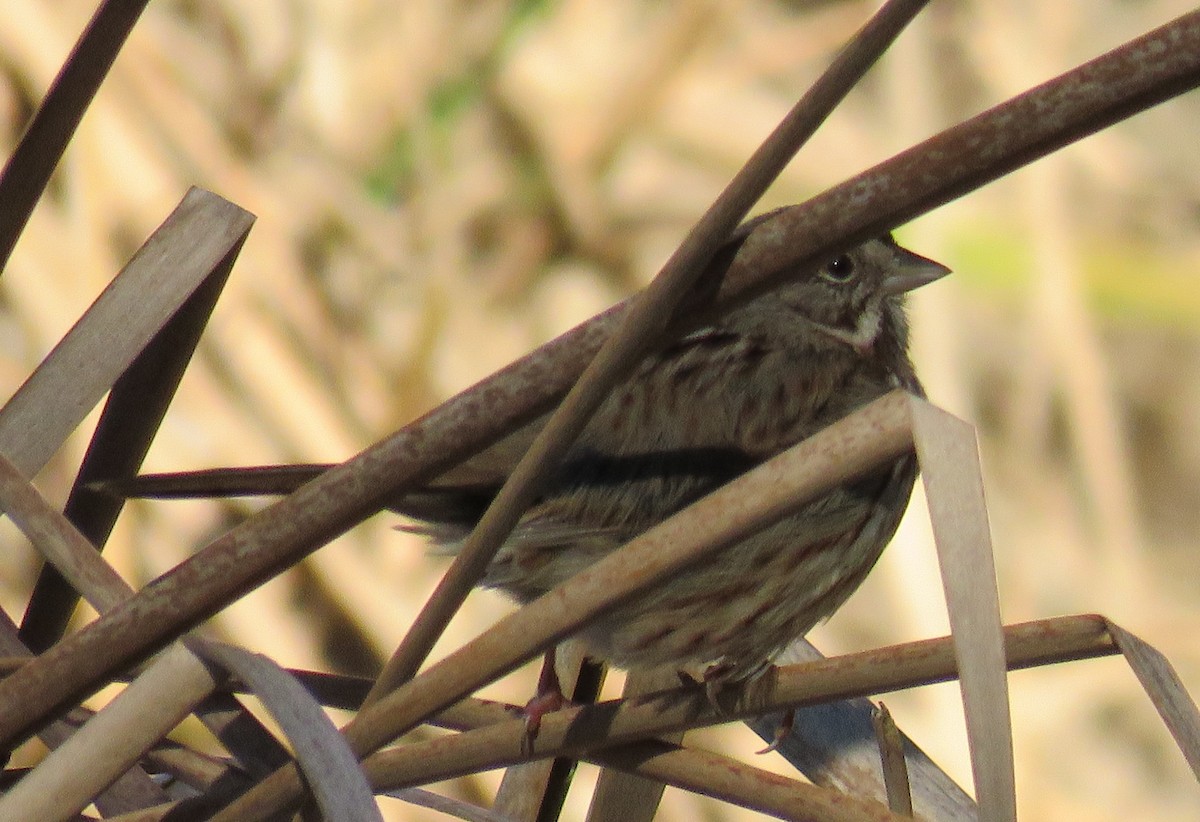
549 697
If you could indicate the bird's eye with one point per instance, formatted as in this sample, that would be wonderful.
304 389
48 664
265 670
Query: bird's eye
840 270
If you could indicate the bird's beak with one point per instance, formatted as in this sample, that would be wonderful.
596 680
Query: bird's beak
912 271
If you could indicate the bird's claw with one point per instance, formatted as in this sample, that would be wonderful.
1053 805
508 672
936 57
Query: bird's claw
787 724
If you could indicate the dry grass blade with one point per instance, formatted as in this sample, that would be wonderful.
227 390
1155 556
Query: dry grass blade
65 782
622 796
523 790
834 745
131 417
330 769
953 480
895 768
28 169
1162 685
642 324
192 242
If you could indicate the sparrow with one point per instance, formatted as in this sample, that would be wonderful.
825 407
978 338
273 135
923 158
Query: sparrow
691 417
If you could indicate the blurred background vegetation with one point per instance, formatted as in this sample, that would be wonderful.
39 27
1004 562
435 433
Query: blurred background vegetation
442 185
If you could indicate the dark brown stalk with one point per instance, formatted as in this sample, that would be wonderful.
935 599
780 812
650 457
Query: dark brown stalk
28 170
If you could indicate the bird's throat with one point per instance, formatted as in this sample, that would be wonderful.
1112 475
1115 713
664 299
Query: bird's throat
861 337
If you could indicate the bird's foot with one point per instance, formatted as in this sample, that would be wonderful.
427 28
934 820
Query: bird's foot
719 684
538 707
728 686
548 699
